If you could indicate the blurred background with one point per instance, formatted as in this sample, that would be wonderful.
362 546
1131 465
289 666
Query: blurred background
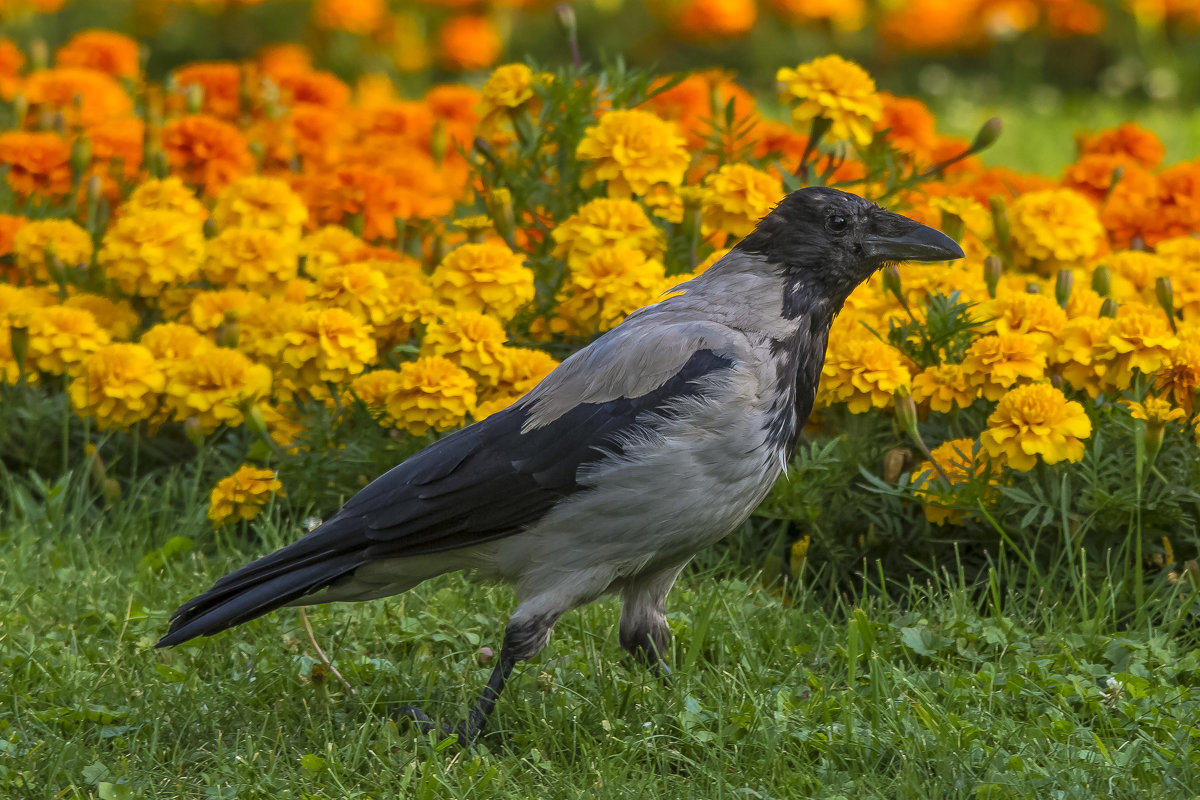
1047 67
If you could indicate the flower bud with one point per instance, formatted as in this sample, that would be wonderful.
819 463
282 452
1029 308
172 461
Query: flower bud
39 54
194 98
194 433
1166 297
1063 285
992 268
1000 222
906 410
81 156
500 208
1102 281
893 463
19 344
989 132
1108 308
892 283
1033 287
255 421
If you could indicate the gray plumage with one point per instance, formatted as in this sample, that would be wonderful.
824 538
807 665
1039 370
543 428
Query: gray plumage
651 443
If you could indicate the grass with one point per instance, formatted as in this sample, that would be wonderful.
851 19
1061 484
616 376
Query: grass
1019 687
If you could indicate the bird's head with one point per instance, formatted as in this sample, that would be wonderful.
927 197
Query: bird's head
827 242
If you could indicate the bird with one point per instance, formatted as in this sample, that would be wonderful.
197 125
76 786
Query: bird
649 444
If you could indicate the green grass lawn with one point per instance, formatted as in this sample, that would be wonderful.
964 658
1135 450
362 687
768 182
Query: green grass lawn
1018 686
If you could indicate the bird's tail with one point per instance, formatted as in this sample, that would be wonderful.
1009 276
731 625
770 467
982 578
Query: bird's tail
259 587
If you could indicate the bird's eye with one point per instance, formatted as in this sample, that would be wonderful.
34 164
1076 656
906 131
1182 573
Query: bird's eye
838 224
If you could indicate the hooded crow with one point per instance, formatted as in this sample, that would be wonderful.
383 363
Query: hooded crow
654 441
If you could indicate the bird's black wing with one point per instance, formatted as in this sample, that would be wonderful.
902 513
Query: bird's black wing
490 480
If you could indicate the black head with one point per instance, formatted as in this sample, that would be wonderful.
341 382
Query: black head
828 241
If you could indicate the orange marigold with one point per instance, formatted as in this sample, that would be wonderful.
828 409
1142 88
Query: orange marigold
38 163
362 17
469 42
836 90
1127 139
219 82
1036 420
632 150
9 225
118 386
106 51
716 19
84 96
206 152
846 15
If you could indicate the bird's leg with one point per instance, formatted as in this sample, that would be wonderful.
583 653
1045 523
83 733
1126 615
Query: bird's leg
524 638
644 629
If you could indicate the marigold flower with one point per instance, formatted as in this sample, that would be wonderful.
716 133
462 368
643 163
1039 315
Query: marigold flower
605 222
38 163
174 341
373 389
11 61
167 194
62 338
944 387
326 345
207 311
206 152
604 288
1036 420
17 301
432 392
313 86
737 196
1181 194
243 495
863 373
252 258
220 83
509 87
1179 377
469 42
1139 338
1034 315
357 288
329 246
1156 411
214 385
521 369
148 250
485 277
411 299
9 225
910 125
845 15
1054 229
994 364
116 316
1093 175
1134 273
1127 139
84 96
260 202
362 17
118 386
834 89
472 340
70 244
965 466
116 153
723 19
105 51
632 150
1134 209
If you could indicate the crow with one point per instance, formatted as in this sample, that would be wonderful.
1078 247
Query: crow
651 443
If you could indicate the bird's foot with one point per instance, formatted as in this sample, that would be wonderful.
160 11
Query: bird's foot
464 732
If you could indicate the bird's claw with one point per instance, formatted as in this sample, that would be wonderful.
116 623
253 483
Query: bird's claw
426 725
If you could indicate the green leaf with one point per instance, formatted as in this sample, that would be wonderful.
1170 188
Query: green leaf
923 641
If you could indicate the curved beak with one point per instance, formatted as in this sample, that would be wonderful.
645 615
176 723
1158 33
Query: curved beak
896 238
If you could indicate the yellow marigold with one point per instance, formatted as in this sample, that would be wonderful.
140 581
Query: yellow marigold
472 340
1180 376
106 51
863 373
836 90
995 364
1139 338
410 298
494 405
242 495
214 385
1036 420
208 311
1034 315
604 288
71 244
10 370
373 389
328 246
605 222
38 163
357 288
149 250
260 202
61 339
521 369
206 152
1134 273
285 426
174 341
118 386
944 387
256 259
737 197
965 466
18 301
1155 411
1073 353
431 392
632 150
327 345
509 87
167 194
117 316
485 277
1054 229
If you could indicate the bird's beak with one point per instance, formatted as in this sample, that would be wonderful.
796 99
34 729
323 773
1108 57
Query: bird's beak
896 238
